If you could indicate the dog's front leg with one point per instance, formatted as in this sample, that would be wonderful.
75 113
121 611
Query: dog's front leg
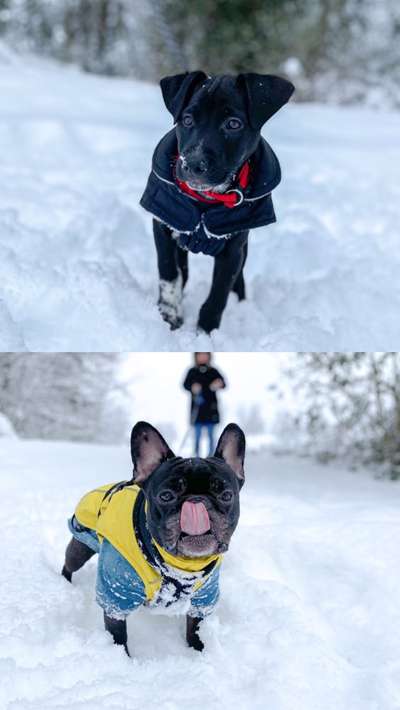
117 629
171 277
227 268
239 287
192 633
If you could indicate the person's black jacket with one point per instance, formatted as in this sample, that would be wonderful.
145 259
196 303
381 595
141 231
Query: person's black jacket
204 407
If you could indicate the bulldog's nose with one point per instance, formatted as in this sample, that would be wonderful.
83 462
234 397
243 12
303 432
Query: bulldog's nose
194 518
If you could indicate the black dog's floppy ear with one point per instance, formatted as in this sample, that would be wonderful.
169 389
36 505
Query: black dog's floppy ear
231 447
148 450
177 90
266 94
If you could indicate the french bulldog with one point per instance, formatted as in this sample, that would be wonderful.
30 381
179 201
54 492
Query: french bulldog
161 535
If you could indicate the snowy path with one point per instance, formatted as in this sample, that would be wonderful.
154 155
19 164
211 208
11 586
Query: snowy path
77 262
308 618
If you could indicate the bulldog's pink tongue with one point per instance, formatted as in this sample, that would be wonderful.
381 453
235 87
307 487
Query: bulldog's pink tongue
194 518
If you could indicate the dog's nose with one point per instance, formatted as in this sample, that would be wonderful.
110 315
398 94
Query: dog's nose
195 166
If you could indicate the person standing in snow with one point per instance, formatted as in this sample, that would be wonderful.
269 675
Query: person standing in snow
203 381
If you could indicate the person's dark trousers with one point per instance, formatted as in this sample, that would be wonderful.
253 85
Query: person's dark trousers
198 428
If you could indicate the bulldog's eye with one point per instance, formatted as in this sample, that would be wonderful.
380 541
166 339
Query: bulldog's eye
167 497
187 121
233 124
226 496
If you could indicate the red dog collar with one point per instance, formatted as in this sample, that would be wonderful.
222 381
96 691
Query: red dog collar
230 198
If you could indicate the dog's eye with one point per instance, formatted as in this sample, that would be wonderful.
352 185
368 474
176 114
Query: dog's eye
226 496
187 121
167 497
233 124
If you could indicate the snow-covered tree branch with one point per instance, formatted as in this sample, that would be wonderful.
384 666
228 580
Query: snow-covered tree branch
349 403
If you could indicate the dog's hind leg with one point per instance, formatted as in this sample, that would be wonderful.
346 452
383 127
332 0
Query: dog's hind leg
76 555
171 277
239 286
227 269
182 256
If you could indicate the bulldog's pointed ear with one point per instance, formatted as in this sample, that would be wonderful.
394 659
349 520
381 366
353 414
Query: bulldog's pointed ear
177 90
148 450
232 447
265 95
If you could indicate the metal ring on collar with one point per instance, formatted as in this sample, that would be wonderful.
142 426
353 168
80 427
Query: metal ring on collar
238 192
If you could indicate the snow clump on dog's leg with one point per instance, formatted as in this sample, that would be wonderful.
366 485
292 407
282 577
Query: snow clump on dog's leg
170 302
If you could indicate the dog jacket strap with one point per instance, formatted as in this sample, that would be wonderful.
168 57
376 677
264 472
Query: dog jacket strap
89 507
110 492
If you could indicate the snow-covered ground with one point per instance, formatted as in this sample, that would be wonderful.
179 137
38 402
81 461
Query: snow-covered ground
77 262
308 618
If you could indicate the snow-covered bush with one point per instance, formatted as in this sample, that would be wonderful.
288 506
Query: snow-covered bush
348 404
72 396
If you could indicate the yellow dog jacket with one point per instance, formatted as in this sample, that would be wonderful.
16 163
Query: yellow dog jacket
109 511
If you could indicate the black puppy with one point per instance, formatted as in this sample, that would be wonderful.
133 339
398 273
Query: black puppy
161 536
211 180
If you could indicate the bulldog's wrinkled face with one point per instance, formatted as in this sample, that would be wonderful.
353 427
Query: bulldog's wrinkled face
218 121
193 504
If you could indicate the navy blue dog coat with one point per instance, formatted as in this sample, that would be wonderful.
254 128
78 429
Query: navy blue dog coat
200 227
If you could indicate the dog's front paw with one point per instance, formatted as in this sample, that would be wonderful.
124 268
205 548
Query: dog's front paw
173 319
170 302
195 642
208 319
192 633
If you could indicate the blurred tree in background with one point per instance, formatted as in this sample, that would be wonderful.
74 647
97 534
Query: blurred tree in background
72 396
349 404
226 35
334 50
99 35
